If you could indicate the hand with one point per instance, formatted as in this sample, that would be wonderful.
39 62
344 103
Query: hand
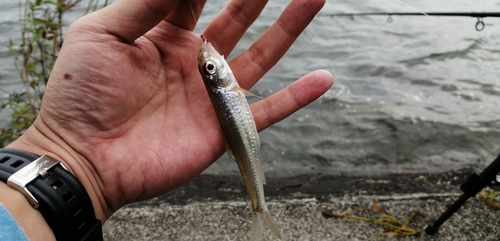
125 107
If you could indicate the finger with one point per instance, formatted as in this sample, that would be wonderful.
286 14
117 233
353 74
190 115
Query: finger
252 64
130 19
226 29
285 102
186 14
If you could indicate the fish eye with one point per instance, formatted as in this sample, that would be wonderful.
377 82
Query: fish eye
210 67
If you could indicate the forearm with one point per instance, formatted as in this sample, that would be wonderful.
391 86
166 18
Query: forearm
29 219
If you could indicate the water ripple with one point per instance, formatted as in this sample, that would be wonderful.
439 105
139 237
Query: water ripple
463 54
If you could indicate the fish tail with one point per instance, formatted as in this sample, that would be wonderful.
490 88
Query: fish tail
261 219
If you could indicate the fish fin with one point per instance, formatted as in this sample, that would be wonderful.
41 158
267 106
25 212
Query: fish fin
260 171
261 219
257 227
269 223
229 151
246 92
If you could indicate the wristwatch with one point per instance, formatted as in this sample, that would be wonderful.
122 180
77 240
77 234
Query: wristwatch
55 192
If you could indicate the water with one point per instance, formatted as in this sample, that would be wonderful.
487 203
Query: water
411 95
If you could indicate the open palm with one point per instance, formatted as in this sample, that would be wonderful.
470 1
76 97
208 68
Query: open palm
127 104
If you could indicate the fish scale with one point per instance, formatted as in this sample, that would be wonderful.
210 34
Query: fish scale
237 116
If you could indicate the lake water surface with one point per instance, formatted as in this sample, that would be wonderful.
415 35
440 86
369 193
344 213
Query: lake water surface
412 95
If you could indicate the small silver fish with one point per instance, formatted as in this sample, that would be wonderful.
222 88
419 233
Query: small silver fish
240 133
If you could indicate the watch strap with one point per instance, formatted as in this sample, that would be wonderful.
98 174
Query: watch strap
58 195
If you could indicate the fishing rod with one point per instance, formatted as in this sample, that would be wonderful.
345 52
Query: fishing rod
479 15
470 188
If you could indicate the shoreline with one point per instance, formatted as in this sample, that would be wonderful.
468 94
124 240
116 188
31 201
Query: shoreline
217 208
319 186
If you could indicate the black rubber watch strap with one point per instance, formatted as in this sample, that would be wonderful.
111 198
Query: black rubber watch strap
62 200
12 160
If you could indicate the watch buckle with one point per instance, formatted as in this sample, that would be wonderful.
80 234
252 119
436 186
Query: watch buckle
30 172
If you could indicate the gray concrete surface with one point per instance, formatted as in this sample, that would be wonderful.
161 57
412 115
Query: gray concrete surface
201 211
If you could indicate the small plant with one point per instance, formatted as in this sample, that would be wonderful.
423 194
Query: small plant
41 39
490 197
392 226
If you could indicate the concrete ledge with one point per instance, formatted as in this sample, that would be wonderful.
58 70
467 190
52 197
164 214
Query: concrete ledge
216 208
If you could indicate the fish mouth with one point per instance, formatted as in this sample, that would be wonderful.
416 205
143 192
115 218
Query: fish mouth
207 51
204 51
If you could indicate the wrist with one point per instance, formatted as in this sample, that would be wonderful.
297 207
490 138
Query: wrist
29 219
40 142
49 188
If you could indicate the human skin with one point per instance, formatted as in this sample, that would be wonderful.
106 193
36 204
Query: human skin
125 108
